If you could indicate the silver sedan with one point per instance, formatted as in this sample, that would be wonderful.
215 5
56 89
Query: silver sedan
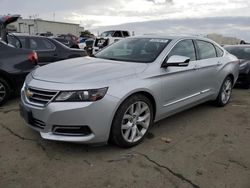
118 94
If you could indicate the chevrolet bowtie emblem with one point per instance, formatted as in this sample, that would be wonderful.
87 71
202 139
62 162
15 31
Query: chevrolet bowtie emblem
28 93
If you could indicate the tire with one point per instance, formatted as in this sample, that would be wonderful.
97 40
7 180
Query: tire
132 121
225 92
4 91
246 82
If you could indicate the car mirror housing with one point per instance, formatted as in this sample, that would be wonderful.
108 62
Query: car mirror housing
176 61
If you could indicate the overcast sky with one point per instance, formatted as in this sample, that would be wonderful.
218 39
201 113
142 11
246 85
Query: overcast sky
186 16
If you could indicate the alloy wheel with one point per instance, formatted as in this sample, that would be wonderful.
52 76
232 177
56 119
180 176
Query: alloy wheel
2 92
136 121
226 91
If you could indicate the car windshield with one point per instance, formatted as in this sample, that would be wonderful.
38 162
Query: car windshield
241 53
144 50
107 34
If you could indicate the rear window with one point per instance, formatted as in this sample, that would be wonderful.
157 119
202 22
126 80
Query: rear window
239 52
117 34
107 34
206 49
15 41
125 34
41 44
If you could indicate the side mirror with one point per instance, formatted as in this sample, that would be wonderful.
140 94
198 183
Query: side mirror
176 61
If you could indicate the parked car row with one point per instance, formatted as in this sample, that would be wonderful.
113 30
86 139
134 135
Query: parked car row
242 52
15 64
48 49
20 54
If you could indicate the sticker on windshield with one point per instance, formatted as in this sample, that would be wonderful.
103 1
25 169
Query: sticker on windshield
159 40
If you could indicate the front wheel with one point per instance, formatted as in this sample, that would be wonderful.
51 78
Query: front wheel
225 92
4 91
132 121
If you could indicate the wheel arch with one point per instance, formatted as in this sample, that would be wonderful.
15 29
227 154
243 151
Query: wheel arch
144 92
232 77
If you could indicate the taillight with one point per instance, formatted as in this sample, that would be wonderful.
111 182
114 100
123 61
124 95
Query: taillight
33 57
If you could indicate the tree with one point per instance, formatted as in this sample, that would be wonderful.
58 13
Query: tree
85 33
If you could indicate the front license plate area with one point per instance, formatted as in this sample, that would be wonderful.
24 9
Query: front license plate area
26 114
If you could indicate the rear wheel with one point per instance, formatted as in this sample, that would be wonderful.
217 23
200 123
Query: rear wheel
132 121
225 92
4 91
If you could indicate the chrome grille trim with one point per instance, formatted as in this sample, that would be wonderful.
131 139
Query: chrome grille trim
43 94
39 97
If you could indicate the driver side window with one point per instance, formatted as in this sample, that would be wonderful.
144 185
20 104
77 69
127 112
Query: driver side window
184 48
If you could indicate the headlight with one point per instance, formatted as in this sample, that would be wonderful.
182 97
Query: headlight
81 96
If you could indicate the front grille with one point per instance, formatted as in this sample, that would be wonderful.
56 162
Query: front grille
38 123
39 97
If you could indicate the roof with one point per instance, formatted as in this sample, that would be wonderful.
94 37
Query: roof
41 20
172 37
28 35
238 46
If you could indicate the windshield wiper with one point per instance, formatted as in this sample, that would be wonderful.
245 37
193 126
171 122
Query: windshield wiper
113 59
92 55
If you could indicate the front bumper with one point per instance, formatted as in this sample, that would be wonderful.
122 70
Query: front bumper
97 116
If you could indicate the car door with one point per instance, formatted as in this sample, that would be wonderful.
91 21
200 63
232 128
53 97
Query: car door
208 65
180 85
45 49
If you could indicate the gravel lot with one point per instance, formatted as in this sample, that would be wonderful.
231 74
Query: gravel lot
202 147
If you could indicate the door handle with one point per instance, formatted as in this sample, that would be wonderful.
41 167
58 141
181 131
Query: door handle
219 63
196 67
55 55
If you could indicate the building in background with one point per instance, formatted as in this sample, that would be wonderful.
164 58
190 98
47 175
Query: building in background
37 26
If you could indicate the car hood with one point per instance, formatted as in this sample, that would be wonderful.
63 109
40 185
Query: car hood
87 69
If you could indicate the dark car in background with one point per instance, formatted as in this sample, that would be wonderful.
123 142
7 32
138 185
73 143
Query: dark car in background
15 64
72 39
63 41
47 34
242 52
48 49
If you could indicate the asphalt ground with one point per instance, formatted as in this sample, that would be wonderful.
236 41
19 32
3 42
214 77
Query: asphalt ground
205 146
